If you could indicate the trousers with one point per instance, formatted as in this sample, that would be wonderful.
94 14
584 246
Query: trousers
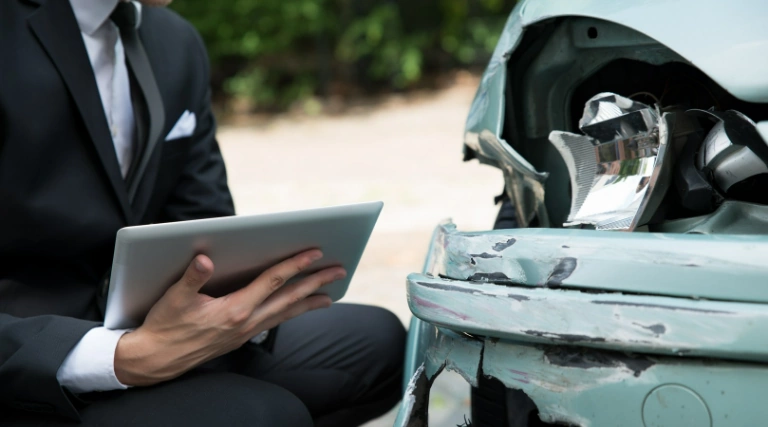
340 366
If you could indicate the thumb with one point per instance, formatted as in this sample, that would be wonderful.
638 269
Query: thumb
198 273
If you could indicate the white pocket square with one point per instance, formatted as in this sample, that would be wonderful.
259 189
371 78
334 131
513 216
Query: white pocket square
184 127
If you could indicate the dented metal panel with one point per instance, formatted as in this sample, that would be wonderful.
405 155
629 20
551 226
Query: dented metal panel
632 323
578 387
722 267
716 53
414 407
445 350
652 32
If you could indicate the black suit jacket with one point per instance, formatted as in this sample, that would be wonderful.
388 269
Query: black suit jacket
62 197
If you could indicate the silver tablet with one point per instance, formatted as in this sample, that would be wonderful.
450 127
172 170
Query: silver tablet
150 258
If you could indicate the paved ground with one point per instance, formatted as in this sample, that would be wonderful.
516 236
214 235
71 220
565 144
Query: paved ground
406 152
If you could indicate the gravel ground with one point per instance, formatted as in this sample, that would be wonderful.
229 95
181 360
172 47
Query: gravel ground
406 151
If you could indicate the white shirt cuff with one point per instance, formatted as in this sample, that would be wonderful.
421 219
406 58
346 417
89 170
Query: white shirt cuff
90 366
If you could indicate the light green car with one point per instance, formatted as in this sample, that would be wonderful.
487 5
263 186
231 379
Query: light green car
625 282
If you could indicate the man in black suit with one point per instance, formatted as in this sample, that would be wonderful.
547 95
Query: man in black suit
90 93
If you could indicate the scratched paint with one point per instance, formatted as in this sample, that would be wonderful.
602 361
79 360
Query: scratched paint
632 323
453 352
412 411
576 392
444 351
572 386
689 266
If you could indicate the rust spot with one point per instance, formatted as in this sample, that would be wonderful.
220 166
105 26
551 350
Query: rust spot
498 247
562 271
472 261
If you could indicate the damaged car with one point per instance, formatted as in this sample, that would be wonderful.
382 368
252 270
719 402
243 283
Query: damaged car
624 281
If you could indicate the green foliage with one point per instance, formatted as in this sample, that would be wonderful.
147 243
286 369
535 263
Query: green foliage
275 52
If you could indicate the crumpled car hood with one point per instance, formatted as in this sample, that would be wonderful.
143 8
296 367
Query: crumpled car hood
729 44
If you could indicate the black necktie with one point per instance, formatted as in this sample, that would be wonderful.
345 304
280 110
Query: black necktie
125 17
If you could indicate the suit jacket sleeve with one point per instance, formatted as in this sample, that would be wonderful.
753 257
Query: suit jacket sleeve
31 351
202 190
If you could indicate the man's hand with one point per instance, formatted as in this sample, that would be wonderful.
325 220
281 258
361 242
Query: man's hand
186 328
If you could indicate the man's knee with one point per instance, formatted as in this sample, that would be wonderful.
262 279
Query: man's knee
375 333
203 399
387 336
381 339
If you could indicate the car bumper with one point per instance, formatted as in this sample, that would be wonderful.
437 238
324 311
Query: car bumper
592 325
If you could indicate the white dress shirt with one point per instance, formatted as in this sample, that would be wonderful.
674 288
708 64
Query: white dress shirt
90 365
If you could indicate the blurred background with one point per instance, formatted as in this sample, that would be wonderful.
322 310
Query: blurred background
326 102
273 55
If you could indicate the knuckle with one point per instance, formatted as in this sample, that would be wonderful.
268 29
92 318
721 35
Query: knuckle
237 318
276 281
301 265
296 298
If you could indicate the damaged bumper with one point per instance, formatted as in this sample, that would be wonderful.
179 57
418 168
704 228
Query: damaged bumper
580 387
577 319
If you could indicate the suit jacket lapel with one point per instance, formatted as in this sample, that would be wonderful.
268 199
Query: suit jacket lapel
56 28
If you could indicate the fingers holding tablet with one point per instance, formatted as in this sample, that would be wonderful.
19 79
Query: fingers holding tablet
197 274
186 328
269 296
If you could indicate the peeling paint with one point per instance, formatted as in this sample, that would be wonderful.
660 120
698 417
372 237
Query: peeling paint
454 288
570 385
561 272
414 411
656 329
408 411
659 306
645 263
589 359
495 277
634 323
485 255
446 287
569 338
498 247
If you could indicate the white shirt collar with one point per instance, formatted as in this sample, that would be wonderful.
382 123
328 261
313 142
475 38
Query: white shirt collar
91 14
